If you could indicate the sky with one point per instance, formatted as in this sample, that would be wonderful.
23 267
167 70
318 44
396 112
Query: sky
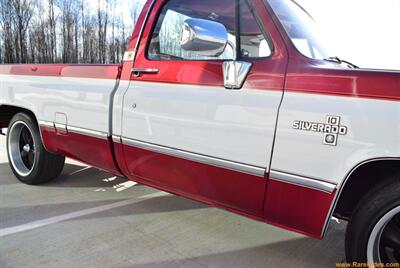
365 32
123 7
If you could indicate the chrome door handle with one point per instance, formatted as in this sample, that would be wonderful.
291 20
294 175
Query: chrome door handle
138 71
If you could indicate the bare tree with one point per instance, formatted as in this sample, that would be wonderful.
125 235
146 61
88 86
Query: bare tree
67 31
8 36
102 20
2 36
52 32
112 49
135 11
23 12
84 50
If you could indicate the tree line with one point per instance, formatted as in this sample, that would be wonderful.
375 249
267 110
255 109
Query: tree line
64 31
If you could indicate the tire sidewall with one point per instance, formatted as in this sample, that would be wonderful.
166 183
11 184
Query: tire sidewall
370 211
33 127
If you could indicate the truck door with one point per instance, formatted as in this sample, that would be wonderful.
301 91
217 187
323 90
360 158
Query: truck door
183 130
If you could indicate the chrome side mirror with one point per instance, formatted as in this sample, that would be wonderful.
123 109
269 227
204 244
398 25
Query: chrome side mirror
204 37
235 73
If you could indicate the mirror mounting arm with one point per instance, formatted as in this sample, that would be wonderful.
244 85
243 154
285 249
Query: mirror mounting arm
235 73
233 46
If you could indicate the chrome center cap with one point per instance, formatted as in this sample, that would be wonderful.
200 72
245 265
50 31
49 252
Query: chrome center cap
27 148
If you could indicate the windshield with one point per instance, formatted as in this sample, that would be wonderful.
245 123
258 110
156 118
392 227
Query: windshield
301 28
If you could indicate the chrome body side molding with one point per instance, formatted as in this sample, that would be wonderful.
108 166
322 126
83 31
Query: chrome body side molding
46 124
116 139
302 181
244 168
77 130
88 132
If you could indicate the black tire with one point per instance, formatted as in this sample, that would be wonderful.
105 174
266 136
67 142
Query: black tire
34 165
378 210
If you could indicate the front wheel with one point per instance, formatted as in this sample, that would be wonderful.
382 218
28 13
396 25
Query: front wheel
373 234
29 160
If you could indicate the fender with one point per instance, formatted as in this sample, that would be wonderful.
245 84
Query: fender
17 109
344 183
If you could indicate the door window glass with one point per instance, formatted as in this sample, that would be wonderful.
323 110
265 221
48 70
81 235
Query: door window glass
165 41
301 28
253 43
166 36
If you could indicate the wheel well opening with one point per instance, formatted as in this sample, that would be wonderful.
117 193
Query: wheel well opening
361 181
7 112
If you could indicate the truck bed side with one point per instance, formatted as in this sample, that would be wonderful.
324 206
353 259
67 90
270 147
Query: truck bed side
71 104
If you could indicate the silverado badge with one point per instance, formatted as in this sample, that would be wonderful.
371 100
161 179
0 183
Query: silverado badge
332 128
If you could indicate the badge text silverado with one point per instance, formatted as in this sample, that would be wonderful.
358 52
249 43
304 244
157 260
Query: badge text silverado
239 106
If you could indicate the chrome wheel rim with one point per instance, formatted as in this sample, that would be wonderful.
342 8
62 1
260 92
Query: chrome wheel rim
21 148
384 241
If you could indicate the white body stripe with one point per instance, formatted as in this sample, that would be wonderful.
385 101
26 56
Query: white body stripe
84 101
235 125
373 132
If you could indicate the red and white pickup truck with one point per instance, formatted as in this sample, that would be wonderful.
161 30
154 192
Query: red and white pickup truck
239 106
